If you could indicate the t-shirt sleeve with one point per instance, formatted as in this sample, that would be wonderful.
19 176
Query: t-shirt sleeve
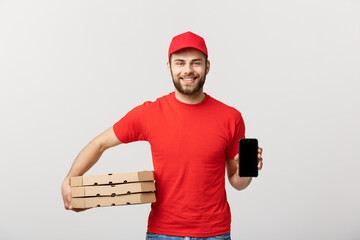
237 132
130 128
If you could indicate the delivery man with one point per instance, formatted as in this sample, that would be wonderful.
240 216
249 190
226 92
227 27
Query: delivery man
193 139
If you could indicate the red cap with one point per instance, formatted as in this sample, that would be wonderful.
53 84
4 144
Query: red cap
187 40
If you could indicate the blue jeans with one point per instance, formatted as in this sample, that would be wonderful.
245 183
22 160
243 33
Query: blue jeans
154 236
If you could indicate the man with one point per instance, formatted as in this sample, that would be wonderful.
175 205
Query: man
193 137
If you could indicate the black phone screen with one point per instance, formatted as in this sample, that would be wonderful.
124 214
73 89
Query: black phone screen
248 161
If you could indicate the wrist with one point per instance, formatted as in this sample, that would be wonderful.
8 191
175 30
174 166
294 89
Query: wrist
67 180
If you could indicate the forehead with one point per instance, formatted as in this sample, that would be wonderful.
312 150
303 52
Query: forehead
188 54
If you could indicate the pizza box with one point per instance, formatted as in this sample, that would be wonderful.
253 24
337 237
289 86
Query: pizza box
128 199
111 178
113 190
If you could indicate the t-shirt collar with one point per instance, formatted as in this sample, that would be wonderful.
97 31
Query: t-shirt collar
187 105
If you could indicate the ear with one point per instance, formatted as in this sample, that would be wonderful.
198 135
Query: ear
168 67
207 67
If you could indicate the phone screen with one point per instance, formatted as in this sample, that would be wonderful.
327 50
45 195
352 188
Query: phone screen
248 161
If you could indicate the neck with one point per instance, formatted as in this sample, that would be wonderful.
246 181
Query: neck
190 99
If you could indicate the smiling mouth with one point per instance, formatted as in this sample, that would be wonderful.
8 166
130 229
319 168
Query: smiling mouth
189 80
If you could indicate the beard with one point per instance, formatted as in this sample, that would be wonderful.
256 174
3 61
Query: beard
191 89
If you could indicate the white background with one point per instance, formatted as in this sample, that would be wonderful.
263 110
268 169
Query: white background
71 69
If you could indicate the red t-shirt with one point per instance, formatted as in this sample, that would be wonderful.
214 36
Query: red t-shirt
190 144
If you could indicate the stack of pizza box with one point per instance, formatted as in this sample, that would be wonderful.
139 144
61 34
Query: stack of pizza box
113 189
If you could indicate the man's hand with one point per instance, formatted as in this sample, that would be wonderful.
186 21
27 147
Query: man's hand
236 181
66 194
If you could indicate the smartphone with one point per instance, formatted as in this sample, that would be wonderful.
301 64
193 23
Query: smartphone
248 160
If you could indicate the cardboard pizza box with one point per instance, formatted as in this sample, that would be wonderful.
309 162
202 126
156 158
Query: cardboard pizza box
128 199
110 178
113 190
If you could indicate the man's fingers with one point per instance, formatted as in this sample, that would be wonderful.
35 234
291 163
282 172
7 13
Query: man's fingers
68 199
260 159
67 206
67 202
79 209
66 194
260 164
260 150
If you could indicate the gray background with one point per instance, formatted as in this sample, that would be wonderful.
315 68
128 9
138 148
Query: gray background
71 69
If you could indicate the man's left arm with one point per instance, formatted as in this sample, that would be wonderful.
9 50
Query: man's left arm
235 180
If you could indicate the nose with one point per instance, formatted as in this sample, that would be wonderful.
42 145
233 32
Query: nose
188 69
